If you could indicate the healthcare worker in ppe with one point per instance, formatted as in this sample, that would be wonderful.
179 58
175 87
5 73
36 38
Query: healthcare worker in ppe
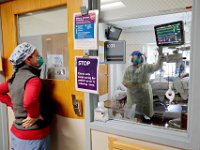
136 79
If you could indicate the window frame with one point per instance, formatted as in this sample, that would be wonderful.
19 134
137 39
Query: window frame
174 138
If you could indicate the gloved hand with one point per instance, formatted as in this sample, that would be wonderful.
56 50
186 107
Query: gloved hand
161 56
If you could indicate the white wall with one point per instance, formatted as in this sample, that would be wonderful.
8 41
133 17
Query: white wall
147 37
100 142
68 134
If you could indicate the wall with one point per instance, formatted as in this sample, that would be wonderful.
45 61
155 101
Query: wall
67 134
100 142
145 37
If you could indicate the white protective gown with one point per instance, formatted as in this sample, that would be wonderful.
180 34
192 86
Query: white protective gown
139 90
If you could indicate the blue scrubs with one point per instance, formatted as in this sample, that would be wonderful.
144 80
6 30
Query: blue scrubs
19 144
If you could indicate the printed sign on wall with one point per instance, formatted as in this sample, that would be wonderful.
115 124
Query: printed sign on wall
85 30
86 74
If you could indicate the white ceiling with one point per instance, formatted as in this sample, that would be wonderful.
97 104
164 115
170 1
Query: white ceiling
141 15
148 23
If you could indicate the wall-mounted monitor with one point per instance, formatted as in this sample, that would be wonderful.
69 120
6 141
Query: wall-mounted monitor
170 34
113 33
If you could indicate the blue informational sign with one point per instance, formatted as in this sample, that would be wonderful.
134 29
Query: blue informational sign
84 26
85 30
87 74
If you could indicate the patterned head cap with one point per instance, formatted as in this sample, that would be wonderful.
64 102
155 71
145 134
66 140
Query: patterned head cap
21 52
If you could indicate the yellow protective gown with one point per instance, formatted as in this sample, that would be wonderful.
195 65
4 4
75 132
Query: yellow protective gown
139 90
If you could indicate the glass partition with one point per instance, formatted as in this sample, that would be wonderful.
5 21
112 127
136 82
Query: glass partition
152 86
47 30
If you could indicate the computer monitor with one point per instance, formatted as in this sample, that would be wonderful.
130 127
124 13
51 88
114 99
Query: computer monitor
113 33
170 34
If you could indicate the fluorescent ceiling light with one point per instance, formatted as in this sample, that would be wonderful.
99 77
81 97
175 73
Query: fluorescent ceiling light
113 5
108 1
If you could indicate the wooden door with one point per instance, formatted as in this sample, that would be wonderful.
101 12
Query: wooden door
103 79
59 90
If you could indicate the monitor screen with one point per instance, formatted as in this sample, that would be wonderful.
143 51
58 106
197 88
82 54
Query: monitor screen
170 34
113 33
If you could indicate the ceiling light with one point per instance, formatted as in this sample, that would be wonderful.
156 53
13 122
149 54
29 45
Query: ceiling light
108 1
29 14
110 6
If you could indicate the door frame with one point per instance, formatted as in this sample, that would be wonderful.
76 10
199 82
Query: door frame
4 142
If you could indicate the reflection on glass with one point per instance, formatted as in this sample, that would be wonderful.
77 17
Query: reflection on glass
152 86
47 30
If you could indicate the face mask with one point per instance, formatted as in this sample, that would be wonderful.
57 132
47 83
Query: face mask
136 61
40 61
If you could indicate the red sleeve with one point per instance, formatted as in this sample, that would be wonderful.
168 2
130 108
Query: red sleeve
4 98
31 97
